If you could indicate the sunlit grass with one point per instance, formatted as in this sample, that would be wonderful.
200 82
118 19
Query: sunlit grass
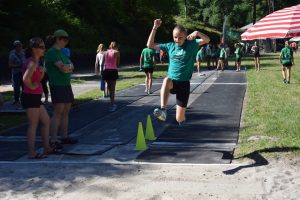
272 108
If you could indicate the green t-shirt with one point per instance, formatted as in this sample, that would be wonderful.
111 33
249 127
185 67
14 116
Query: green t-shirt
200 54
238 53
148 55
56 77
222 53
181 58
287 55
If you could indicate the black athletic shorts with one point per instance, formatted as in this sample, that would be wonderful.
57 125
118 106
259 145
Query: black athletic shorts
149 70
110 74
289 64
61 94
256 55
31 100
182 91
238 59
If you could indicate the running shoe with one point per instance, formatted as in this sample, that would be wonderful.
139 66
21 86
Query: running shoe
160 114
113 108
284 81
181 123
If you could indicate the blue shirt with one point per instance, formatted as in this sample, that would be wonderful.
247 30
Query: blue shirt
181 59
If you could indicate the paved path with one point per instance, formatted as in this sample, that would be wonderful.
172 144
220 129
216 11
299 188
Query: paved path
110 137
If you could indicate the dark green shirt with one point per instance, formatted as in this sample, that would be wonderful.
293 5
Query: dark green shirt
56 77
148 56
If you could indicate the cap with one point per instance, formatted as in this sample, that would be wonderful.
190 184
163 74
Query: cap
17 43
60 33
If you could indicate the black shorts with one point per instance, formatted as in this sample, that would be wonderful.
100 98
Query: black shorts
31 100
256 55
289 64
222 58
182 91
61 94
148 70
110 74
238 60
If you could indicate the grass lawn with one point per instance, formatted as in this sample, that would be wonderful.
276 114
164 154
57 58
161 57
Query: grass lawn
272 111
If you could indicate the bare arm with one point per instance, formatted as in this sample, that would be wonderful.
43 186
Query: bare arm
64 68
150 43
96 65
204 38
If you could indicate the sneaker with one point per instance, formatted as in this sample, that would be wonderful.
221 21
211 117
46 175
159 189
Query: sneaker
181 123
113 108
284 81
149 92
160 114
288 82
140 70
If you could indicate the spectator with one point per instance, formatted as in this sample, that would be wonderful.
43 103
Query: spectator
31 99
287 61
99 67
59 68
110 73
15 61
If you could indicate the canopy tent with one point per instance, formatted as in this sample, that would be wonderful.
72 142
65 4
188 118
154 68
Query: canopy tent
295 39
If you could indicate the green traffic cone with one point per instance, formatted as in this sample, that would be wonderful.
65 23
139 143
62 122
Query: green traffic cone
149 130
140 139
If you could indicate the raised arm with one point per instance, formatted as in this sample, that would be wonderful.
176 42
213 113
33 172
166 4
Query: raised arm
204 38
150 43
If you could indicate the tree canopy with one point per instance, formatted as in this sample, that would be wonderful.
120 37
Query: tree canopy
128 22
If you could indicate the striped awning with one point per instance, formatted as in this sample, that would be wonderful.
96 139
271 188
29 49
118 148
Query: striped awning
284 23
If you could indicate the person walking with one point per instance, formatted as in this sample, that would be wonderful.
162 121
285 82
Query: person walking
110 73
31 96
15 60
255 49
287 60
147 61
182 53
238 56
99 67
199 60
59 69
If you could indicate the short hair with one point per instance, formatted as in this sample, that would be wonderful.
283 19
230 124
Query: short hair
181 29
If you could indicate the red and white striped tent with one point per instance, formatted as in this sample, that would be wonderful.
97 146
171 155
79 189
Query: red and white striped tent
284 23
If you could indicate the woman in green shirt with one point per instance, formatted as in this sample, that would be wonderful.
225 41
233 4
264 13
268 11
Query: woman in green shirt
59 69
287 61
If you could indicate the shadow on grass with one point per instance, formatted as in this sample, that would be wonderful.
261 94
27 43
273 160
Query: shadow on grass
259 159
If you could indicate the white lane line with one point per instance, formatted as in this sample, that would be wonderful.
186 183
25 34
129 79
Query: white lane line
212 83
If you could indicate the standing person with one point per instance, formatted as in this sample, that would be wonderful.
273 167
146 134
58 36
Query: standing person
147 61
99 66
110 73
208 55
200 59
33 73
59 69
255 50
238 56
15 61
287 61
182 53
222 57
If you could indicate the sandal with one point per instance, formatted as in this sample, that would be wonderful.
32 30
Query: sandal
38 156
56 145
53 151
68 140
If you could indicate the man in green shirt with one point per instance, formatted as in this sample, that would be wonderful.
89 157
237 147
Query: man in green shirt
238 56
287 61
147 61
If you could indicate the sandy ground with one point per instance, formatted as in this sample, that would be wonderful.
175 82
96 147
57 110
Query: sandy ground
280 179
